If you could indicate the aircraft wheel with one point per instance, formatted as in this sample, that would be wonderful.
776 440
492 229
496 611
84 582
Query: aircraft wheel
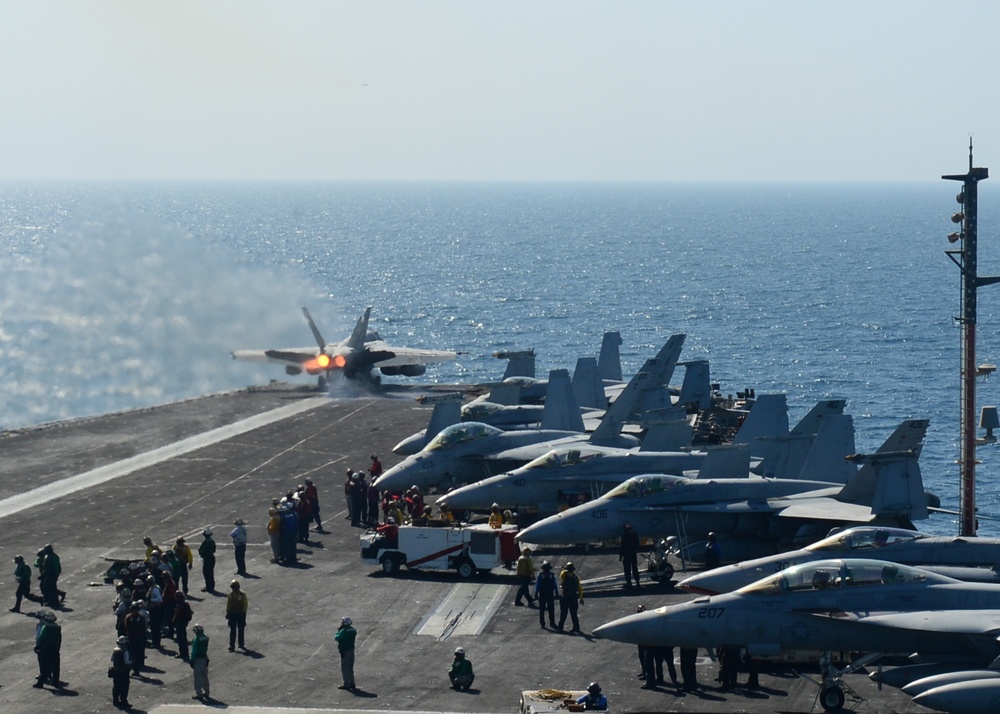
390 565
666 573
831 699
466 569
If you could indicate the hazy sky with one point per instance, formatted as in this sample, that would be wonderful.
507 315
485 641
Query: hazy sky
667 90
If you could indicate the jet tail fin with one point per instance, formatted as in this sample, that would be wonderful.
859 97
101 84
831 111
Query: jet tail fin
655 395
587 385
446 412
357 339
609 364
696 388
899 487
827 458
815 449
651 375
667 434
889 480
519 364
507 394
768 418
561 410
729 461
315 330
810 423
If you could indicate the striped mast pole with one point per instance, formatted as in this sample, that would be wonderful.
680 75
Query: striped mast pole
965 257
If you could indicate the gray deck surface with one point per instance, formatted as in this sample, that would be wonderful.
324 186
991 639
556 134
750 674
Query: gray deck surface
292 662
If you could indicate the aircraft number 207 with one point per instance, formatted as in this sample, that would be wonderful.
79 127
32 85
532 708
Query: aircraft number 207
710 613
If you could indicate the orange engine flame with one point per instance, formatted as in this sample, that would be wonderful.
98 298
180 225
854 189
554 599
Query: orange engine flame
324 363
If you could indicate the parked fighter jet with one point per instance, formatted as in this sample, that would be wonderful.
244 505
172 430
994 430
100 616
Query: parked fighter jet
511 404
833 605
354 357
470 451
559 411
564 476
519 385
845 604
893 544
974 693
759 512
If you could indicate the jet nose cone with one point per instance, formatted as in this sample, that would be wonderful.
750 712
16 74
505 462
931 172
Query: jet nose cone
462 499
695 584
634 629
711 582
401 476
547 530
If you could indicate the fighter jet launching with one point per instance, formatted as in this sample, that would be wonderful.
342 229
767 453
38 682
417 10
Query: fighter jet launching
355 357
896 545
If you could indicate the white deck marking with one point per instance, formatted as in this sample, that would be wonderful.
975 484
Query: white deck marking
466 609
188 708
103 474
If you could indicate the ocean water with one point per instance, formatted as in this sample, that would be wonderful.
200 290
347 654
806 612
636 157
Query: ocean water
122 296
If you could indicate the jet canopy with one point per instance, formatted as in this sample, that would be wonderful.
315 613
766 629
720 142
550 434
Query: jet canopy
864 539
560 457
460 434
830 574
479 410
642 486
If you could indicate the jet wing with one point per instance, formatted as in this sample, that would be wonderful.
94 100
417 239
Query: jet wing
827 509
387 356
290 355
816 508
959 622
733 507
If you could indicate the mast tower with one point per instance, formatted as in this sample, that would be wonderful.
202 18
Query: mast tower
965 257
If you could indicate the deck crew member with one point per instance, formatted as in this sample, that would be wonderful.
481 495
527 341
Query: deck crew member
593 700
239 536
346 634
572 596
237 605
207 553
199 663
461 674
546 591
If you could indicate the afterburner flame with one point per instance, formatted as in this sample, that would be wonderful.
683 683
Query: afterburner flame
324 363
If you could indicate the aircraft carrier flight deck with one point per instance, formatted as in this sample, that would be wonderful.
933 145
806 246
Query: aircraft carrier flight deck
93 488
